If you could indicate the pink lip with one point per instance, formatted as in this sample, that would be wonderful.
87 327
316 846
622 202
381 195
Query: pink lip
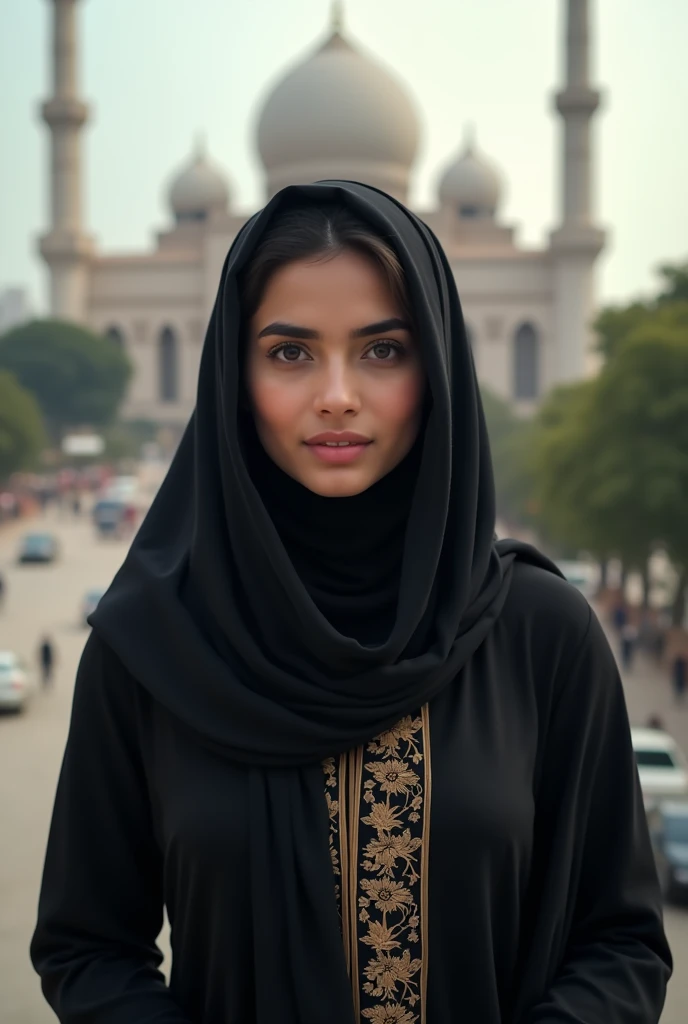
335 455
338 435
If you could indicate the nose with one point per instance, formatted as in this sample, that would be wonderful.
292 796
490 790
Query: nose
338 393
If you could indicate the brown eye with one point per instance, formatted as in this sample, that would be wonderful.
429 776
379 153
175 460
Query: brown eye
385 351
291 353
287 353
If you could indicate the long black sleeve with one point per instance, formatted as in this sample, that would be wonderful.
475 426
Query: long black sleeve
593 843
101 902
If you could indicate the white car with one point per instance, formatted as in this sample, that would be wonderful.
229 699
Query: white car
16 682
662 766
122 488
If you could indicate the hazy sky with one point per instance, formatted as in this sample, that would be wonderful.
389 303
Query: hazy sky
157 72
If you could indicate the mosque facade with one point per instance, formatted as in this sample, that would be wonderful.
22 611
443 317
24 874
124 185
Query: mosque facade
335 114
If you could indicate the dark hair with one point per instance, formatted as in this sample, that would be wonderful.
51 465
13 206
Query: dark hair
320 232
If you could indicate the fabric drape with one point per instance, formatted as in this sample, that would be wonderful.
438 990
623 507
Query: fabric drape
219 613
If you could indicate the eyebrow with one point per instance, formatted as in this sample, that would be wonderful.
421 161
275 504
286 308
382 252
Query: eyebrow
393 323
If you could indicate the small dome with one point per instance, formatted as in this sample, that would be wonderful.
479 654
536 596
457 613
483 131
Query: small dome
338 114
471 184
199 188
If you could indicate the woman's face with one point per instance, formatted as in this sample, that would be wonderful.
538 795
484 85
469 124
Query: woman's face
334 374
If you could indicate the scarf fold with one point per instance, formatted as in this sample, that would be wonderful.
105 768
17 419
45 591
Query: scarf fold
346 551
279 654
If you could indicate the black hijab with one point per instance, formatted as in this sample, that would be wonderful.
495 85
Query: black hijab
346 551
221 613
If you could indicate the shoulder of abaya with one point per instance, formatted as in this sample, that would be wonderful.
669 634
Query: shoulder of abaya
548 618
108 682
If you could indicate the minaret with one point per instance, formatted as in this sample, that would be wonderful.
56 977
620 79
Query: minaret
577 241
66 248
337 17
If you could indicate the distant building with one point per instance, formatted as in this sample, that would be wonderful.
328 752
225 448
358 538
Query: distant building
335 114
14 308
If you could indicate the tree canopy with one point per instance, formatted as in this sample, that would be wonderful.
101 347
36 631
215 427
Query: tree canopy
642 421
78 377
611 454
510 444
675 283
21 428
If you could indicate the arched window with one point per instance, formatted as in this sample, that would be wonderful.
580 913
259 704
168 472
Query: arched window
115 334
526 363
168 365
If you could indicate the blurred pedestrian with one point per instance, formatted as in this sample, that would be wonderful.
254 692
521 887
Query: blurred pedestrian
129 519
655 722
629 639
679 672
46 660
659 642
2 591
647 630
619 615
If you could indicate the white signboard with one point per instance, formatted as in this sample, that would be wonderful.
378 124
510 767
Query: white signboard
83 444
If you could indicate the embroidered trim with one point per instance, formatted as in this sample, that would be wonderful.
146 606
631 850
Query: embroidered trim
333 812
379 843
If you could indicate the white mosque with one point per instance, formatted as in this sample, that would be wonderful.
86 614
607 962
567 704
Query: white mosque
335 114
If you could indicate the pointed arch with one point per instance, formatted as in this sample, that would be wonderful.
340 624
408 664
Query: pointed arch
168 365
526 363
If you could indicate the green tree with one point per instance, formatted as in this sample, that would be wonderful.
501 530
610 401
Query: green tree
78 377
616 323
21 428
563 457
510 444
675 283
642 424
612 454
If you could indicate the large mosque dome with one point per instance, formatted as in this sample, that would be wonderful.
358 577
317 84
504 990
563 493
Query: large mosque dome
339 114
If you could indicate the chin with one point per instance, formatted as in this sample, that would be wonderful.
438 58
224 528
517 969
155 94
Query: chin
337 484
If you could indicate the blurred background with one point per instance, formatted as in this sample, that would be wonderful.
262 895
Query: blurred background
543 142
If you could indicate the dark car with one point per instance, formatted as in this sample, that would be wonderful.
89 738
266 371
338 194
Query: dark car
108 516
669 830
38 547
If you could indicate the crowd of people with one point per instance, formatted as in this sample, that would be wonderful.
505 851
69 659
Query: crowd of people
27 493
651 631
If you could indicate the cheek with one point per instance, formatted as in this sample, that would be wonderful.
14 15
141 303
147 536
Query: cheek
274 405
399 401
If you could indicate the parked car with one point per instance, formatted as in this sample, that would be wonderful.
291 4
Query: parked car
16 682
662 766
108 516
38 547
90 603
669 831
122 488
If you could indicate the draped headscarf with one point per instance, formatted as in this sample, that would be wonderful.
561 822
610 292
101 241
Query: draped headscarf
217 616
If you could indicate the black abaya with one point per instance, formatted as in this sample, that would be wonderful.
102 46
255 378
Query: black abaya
224 735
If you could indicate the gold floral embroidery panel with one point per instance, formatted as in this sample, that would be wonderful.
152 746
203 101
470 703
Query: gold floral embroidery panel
379 809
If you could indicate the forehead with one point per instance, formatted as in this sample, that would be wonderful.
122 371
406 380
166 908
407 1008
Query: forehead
349 283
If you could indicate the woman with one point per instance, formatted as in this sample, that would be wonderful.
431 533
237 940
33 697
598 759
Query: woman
375 766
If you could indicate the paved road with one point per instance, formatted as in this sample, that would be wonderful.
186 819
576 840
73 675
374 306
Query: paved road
31 747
